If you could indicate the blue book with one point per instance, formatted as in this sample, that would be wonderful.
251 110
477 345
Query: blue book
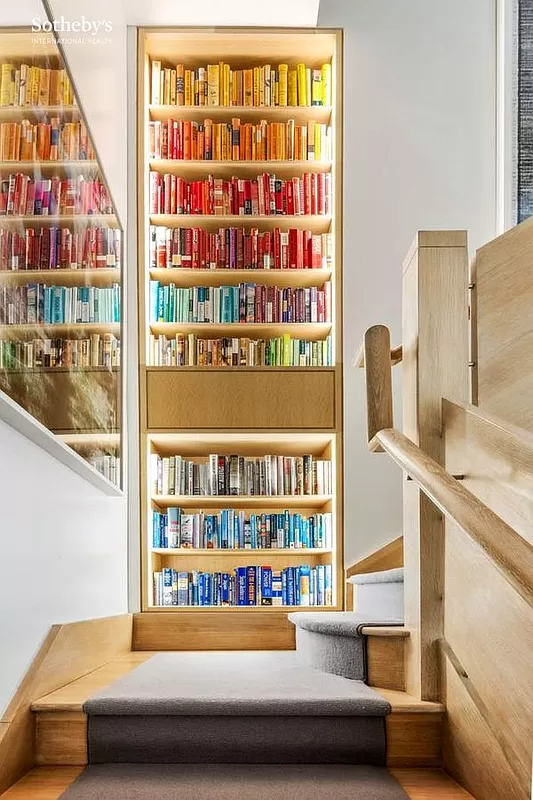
167 586
183 588
225 590
154 301
286 530
251 586
328 585
242 596
291 589
224 529
266 586
320 585
253 531
195 594
312 587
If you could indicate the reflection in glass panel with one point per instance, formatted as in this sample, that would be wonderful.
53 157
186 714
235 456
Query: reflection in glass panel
60 257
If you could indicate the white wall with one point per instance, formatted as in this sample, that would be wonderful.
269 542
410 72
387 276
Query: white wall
62 553
419 153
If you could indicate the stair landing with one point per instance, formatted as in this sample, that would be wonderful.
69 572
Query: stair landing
413 727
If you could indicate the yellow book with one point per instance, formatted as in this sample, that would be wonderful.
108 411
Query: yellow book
6 79
166 86
257 79
318 140
302 85
307 86
286 356
282 85
268 84
316 88
213 85
248 83
34 93
326 84
173 82
227 85
188 88
292 94
261 86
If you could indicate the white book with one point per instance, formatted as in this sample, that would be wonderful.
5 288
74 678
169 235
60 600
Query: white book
156 83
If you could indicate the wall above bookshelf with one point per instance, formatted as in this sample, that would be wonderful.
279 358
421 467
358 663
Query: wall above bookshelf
240 94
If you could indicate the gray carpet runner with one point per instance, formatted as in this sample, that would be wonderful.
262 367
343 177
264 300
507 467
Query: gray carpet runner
333 641
231 782
235 707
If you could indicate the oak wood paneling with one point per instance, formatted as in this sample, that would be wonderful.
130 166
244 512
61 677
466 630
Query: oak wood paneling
390 556
504 330
489 628
435 320
386 661
248 399
269 630
414 740
61 738
68 652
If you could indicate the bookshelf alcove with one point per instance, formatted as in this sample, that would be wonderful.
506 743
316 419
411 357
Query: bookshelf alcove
240 270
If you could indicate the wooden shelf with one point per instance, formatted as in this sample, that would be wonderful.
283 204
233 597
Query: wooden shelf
241 501
241 609
60 330
194 170
63 168
300 114
58 370
231 277
248 443
91 440
60 221
305 330
104 276
317 223
38 113
246 553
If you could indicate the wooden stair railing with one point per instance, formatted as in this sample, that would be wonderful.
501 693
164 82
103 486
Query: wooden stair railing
510 553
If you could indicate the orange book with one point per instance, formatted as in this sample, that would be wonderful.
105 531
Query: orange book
248 87
208 123
257 85
187 140
289 141
194 141
200 147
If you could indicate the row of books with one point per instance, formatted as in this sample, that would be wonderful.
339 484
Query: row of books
238 248
59 248
220 85
97 350
230 529
21 194
108 464
247 302
39 304
189 350
45 141
190 140
265 195
246 586
28 85
223 475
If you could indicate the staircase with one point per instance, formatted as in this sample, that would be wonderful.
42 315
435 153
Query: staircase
262 707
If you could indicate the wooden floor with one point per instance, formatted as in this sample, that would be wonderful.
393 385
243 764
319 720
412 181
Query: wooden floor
47 783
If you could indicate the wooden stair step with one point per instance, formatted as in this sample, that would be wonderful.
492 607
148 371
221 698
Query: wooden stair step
413 728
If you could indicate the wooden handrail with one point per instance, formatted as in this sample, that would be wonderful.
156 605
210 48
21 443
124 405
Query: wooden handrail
510 553
378 382
396 356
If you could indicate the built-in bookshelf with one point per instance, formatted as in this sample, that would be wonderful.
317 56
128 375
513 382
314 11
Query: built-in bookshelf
60 257
240 278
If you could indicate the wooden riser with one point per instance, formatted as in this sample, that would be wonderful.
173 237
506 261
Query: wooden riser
413 739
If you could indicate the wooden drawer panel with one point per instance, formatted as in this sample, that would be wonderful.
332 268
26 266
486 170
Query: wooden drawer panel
268 398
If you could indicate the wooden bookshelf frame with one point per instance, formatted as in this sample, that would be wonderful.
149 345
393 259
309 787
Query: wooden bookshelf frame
158 421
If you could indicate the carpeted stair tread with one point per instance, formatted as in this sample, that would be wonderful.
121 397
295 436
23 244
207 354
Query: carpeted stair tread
230 781
383 576
237 683
338 623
